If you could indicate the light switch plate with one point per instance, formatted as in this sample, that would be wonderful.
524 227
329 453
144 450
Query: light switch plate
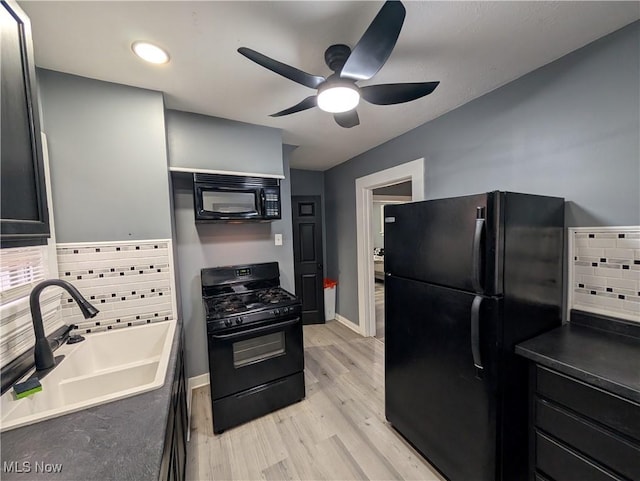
278 238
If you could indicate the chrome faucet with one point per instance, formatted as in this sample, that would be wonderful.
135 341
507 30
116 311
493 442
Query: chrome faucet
42 351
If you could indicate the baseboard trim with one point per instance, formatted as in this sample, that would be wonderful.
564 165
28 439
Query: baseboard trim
194 383
349 324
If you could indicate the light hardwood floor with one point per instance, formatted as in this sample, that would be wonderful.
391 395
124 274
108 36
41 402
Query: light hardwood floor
338 432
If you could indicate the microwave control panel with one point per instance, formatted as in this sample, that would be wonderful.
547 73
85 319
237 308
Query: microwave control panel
272 203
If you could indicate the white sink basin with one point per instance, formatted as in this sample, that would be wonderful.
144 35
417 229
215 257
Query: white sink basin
105 367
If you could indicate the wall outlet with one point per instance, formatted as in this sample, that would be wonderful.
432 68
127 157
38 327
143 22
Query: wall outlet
278 238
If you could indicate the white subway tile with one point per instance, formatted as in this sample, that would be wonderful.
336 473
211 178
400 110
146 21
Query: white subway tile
603 301
102 262
581 242
628 243
593 280
590 252
584 299
618 253
622 283
632 306
610 243
589 271
607 272
631 274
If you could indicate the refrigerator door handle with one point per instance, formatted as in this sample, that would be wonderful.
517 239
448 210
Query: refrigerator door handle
475 332
477 253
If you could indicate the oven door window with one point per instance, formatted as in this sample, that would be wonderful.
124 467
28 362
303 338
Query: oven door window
229 202
257 349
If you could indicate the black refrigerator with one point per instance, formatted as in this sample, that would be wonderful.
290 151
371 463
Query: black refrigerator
466 279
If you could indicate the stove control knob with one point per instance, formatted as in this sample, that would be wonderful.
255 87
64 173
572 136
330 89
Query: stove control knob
228 322
276 312
238 320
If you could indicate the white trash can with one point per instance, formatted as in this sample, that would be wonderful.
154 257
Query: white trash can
330 300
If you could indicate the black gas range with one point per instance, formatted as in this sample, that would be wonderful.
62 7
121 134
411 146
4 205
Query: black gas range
254 335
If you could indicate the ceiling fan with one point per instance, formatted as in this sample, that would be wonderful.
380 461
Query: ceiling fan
339 94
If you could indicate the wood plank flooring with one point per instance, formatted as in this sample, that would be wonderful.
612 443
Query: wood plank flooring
338 432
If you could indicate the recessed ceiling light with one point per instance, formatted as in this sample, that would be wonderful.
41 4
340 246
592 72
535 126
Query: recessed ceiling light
149 52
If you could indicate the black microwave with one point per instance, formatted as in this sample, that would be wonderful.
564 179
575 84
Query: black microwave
236 198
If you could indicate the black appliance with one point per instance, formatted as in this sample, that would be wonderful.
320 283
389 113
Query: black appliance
254 334
465 280
236 198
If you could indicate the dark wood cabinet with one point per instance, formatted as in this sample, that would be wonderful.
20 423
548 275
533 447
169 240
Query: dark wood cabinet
580 431
24 217
174 457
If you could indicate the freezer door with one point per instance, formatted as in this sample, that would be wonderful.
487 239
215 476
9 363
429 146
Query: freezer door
448 242
440 390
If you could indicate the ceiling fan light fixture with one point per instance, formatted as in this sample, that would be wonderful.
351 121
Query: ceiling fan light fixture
338 98
150 52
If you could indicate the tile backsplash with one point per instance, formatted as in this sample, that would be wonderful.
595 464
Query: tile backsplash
131 283
604 271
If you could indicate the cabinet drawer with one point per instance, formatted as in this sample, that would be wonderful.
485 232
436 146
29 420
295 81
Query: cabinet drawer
608 409
610 450
562 464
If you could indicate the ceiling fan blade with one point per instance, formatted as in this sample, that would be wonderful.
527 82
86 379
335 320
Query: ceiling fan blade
287 71
377 43
388 94
347 119
307 103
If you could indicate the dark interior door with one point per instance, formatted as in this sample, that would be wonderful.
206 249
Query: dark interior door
433 394
307 253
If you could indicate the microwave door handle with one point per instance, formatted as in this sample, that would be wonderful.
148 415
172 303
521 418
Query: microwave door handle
262 202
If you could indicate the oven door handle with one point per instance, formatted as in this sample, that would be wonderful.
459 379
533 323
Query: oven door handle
257 330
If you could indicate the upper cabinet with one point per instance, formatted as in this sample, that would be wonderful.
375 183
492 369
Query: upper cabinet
23 200
198 143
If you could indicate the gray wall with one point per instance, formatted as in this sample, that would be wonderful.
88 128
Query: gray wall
107 150
209 245
202 142
311 182
307 182
570 129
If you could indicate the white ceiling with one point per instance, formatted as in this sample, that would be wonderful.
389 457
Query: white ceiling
470 47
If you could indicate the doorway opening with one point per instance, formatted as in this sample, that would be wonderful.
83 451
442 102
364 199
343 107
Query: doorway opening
412 172
392 194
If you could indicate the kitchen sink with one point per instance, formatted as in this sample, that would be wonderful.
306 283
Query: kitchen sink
105 367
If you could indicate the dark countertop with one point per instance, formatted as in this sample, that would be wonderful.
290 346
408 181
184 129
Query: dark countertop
120 440
600 351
